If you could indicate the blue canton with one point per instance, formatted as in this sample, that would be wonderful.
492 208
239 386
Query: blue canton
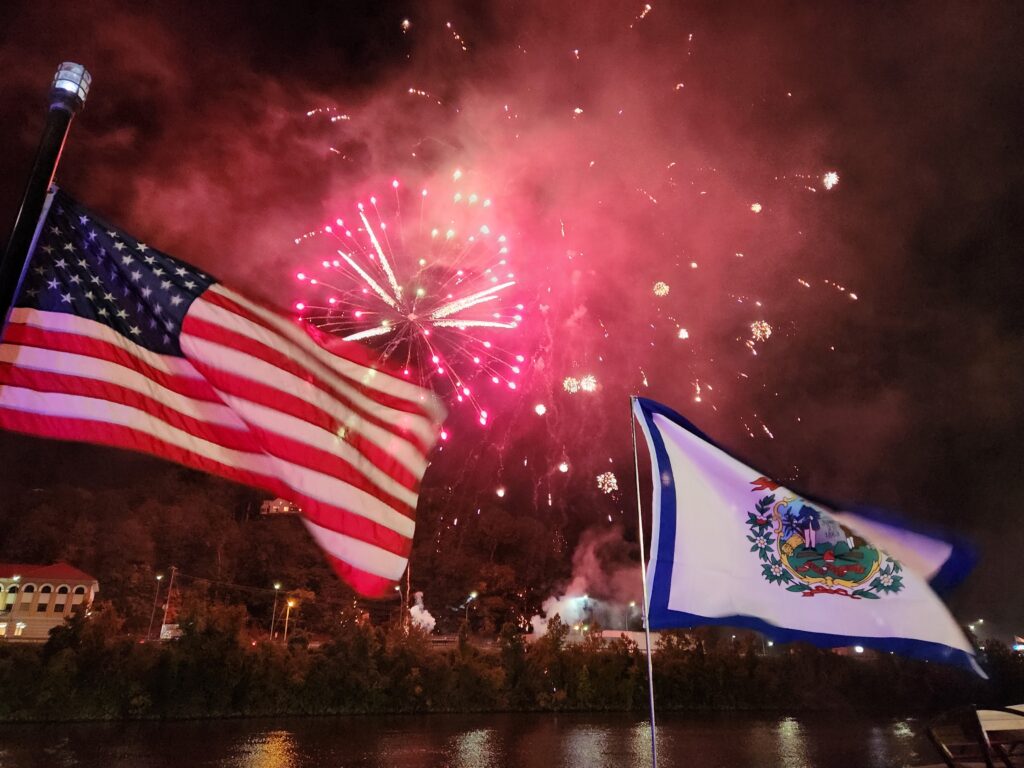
85 267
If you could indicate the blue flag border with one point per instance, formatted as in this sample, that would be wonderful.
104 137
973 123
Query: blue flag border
660 616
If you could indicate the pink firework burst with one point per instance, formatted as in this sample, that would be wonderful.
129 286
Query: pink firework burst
434 299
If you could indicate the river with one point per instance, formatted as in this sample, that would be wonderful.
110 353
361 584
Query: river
735 740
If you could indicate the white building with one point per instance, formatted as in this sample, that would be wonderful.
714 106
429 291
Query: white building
36 598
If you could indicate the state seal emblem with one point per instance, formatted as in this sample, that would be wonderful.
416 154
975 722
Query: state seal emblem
806 550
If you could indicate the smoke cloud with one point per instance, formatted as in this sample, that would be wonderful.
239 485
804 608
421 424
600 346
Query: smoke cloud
605 587
420 616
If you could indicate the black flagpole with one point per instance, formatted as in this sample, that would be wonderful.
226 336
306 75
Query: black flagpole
68 92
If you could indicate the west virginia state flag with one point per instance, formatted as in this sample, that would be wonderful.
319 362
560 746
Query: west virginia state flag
731 546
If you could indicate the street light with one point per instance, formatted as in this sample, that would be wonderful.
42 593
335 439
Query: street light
472 597
287 613
152 615
273 614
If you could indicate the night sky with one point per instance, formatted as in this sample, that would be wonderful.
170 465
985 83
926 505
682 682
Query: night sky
622 147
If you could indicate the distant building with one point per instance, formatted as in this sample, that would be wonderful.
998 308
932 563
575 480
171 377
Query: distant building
279 507
36 598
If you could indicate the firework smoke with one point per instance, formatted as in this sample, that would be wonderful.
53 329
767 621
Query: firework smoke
605 587
420 616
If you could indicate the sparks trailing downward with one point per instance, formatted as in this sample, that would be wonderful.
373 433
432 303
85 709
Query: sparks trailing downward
428 296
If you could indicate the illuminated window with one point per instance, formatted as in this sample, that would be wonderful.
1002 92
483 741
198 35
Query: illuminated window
3 628
19 628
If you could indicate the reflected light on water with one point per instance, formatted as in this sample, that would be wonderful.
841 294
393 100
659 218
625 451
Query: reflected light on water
902 729
586 745
640 741
271 749
792 744
474 749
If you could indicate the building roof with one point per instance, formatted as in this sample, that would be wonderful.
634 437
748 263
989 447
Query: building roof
52 571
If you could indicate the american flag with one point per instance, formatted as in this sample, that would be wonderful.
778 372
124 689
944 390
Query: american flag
111 341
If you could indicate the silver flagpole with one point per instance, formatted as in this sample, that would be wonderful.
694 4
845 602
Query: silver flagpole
643 576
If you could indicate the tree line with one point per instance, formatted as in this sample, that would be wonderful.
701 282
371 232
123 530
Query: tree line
91 669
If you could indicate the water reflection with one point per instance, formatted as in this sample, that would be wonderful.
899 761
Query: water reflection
614 740
902 729
585 746
640 739
272 749
792 744
475 749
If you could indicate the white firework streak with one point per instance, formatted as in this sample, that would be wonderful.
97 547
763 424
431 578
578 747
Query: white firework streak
381 255
457 323
384 295
380 330
468 301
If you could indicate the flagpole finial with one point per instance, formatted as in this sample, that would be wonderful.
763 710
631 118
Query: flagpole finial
70 87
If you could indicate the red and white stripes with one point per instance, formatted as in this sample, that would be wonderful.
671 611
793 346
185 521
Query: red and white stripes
256 399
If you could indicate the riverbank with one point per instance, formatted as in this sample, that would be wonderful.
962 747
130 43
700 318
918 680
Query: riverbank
89 671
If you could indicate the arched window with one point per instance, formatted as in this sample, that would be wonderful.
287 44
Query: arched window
79 590
26 595
61 599
29 588
47 589
13 589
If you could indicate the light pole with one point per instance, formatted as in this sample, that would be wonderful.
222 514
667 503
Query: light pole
287 614
470 599
156 597
401 605
273 615
68 92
